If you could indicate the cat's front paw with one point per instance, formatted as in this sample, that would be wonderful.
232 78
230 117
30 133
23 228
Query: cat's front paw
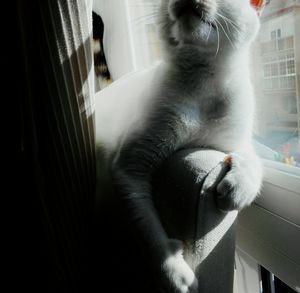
241 184
179 277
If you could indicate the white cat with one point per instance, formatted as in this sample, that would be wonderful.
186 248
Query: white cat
202 98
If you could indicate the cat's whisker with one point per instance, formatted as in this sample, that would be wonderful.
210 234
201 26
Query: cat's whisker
210 27
218 35
227 36
143 20
149 13
153 5
146 16
231 22
226 23
234 26
228 20
238 31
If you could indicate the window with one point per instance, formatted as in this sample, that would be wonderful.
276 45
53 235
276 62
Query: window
278 100
282 68
279 33
290 66
267 70
274 69
273 35
143 18
281 44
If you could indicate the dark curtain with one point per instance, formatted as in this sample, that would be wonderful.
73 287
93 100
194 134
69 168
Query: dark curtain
54 83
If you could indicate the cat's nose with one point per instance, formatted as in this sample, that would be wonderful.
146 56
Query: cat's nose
195 7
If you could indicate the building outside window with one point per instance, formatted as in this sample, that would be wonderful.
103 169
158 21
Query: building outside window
277 55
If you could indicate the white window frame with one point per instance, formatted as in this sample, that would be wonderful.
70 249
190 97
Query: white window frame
247 277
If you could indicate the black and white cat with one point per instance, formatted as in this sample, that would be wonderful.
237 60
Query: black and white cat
203 98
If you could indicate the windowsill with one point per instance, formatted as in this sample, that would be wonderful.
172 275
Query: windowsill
290 170
280 192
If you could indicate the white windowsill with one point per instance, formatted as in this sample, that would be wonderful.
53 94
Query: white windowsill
281 191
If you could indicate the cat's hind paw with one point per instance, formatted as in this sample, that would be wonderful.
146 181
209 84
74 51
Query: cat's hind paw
180 277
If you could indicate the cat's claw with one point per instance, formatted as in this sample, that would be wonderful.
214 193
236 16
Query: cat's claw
180 277
241 184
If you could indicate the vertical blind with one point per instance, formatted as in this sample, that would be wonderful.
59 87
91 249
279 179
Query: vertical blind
57 140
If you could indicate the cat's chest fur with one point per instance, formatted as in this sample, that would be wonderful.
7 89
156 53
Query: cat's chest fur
216 116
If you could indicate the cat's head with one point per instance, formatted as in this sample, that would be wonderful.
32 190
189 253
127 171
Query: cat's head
213 26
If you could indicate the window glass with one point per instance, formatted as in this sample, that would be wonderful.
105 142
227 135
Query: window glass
277 53
267 70
281 44
282 66
291 66
274 69
290 42
143 19
279 33
273 35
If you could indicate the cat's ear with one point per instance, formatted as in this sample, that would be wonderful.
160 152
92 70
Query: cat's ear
258 5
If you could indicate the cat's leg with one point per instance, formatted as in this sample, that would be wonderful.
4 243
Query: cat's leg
138 159
242 183
165 255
